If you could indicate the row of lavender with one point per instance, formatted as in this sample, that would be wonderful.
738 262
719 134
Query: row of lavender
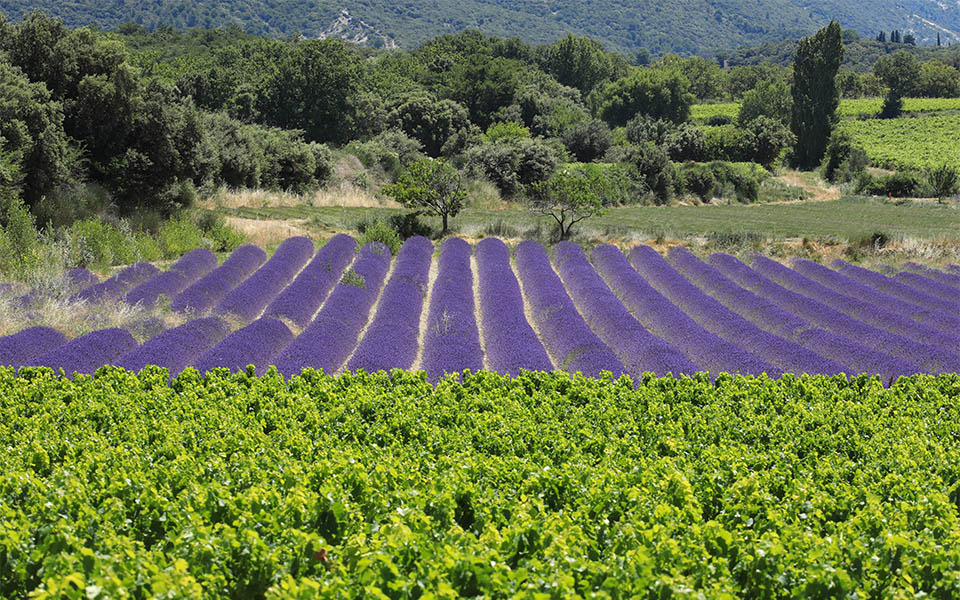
609 312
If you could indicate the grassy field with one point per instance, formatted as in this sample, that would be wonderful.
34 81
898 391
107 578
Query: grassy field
850 108
845 219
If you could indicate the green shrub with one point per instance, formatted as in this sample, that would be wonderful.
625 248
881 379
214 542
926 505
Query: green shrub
180 235
379 231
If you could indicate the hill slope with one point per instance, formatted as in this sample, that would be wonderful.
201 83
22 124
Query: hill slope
686 26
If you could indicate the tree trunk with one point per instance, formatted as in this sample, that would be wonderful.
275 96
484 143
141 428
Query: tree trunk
444 231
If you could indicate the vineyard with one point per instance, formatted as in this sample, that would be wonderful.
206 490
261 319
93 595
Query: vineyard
908 142
540 486
455 307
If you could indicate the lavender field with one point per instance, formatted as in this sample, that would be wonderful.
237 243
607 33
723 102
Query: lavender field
455 306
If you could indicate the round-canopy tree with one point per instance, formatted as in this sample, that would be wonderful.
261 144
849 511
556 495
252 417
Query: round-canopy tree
431 185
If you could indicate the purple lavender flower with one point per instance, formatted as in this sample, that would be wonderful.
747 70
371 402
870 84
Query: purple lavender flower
176 348
858 309
392 339
950 296
951 279
930 358
300 300
20 348
190 267
452 341
669 323
894 295
868 295
511 343
640 350
256 344
116 286
770 317
248 299
214 285
721 321
573 346
328 341
80 279
88 353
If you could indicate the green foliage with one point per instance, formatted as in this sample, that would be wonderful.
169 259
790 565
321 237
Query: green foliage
510 166
581 63
937 80
379 231
844 160
312 89
428 120
506 131
391 151
943 180
430 185
351 277
654 92
902 184
770 99
32 135
18 237
569 196
654 169
900 72
587 140
642 129
94 243
179 235
364 485
815 93
764 139
686 142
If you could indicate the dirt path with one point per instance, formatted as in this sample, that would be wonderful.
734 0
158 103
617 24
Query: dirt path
820 191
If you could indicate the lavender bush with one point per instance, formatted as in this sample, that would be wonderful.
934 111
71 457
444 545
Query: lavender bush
887 284
892 295
87 353
452 341
669 323
116 286
328 341
511 343
214 285
300 300
190 267
929 358
246 301
176 348
256 344
858 309
951 279
392 339
771 318
565 335
638 349
20 348
718 319
950 296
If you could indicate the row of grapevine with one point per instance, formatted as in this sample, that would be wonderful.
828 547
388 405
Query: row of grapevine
535 486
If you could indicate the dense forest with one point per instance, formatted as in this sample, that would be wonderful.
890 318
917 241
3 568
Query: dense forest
681 26
138 124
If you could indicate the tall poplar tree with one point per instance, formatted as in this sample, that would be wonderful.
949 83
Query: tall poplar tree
815 93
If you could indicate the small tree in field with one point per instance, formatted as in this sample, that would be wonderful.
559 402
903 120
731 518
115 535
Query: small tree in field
430 185
569 196
943 180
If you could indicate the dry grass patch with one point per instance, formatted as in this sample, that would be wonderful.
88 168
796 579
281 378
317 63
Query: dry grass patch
262 232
